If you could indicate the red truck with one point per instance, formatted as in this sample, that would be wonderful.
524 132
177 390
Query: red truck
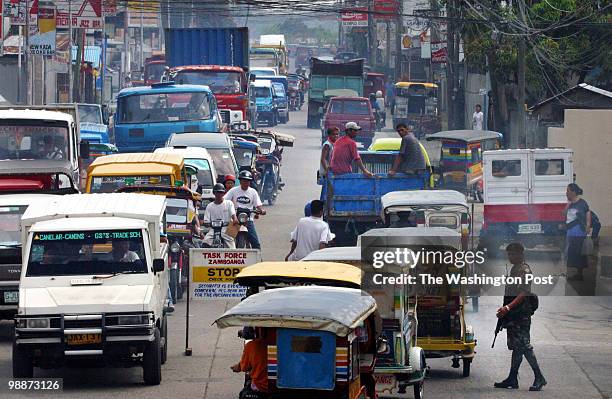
219 59
154 69
229 84
341 110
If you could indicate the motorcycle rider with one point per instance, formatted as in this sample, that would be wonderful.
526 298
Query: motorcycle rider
244 196
380 100
220 209
375 108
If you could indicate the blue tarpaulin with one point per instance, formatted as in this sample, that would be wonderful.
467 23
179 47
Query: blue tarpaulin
92 54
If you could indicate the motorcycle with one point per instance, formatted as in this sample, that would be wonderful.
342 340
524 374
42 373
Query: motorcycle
381 119
269 181
217 227
244 215
179 266
294 99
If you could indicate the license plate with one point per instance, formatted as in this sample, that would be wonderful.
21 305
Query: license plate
386 383
529 228
83 339
11 297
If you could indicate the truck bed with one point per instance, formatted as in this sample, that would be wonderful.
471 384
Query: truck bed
354 196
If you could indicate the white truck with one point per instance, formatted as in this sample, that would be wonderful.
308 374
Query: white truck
93 284
524 196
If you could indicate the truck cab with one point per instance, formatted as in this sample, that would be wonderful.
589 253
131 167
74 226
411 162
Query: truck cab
93 284
92 122
147 116
229 84
341 110
264 99
35 138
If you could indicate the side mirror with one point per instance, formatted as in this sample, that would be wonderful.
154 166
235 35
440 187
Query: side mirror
84 151
382 346
158 266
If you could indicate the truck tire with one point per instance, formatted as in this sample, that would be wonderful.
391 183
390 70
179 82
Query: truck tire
164 335
23 367
151 361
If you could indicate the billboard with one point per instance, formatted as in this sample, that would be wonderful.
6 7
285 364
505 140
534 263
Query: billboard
86 14
354 17
42 33
439 52
386 9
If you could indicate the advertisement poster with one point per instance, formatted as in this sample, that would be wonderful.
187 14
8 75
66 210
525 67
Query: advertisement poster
212 272
438 52
86 14
42 34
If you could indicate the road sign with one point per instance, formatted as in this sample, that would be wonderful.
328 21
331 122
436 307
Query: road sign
213 270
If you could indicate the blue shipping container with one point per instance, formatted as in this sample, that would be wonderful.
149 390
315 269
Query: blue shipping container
207 46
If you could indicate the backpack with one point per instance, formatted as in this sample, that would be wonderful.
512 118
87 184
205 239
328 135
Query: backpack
534 303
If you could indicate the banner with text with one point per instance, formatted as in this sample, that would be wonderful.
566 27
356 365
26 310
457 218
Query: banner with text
439 52
213 270
42 33
354 17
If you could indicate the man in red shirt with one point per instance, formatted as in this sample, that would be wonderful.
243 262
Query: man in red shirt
345 152
255 361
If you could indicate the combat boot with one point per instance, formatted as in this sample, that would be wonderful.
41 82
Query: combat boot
539 381
512 381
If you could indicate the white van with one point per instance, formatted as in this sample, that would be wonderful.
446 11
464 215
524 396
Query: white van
524 195
93 284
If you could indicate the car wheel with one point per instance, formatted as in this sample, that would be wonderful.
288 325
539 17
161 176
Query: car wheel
164 335
151 362
23 367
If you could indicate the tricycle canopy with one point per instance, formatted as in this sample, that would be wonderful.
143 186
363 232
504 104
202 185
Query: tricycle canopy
416 236
469 136
320 273
333 309
423 199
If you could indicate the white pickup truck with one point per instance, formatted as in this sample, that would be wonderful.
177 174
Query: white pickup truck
93 284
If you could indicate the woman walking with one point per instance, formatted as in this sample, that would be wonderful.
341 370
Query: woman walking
578 227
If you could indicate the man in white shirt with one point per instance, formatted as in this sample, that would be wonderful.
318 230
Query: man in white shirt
478 118
310 234
220 209
122 253
244 196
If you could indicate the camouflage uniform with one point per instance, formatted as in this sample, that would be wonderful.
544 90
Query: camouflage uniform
519 320
517 324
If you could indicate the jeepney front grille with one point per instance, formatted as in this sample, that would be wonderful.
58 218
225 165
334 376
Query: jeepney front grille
78 324
225 115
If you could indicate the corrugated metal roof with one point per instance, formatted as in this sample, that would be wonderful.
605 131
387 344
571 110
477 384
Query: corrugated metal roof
596 90
171 159
564 99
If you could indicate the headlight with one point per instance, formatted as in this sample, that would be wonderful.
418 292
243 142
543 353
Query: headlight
217 223
243 217
175 247
38 323
132 320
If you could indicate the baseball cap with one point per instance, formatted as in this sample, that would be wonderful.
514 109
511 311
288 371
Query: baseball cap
352 125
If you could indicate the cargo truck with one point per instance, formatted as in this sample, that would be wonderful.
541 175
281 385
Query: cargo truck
217 58
325 76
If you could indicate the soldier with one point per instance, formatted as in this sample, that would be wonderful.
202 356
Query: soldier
517 312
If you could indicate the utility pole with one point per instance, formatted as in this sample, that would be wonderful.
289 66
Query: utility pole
521 137
371 39
450 67
27 55
70 39
399 30
126 46
142 38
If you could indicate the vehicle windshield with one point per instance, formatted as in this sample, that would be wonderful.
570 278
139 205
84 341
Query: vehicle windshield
164 107
262 92
244 157
176 210
30 141
155 71
262 72
224 165
351 107
10 218
219 82
110 184
279 89
204 175
77 253
90 113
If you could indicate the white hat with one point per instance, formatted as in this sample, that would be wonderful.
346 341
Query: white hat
352 125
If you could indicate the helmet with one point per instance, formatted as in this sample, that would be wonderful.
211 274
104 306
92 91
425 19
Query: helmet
372 96
245 175
378 94
230 177
218 188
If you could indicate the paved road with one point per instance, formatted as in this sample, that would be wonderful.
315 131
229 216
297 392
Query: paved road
571 335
